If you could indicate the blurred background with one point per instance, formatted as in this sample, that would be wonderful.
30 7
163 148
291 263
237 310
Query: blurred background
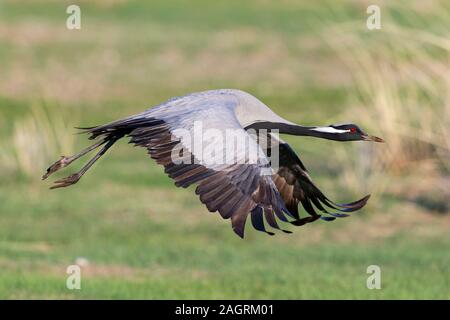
313 62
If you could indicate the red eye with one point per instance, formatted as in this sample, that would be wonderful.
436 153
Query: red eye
352 130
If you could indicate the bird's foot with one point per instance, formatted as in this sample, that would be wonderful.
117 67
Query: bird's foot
61 163
68 181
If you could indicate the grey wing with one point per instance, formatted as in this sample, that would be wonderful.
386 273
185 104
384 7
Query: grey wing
234 189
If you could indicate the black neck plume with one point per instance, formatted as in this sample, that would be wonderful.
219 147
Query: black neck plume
292 129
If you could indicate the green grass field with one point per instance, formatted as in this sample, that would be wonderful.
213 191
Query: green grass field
144 238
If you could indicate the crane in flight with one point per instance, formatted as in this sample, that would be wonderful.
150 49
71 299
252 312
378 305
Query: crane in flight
248 182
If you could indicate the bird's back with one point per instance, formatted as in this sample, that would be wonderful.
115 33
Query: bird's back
246 107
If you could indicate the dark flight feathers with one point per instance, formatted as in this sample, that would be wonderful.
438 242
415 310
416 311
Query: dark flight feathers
236 190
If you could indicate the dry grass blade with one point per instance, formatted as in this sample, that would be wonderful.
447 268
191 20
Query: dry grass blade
35 140
401 77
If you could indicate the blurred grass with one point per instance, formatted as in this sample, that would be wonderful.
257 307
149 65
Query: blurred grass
146 239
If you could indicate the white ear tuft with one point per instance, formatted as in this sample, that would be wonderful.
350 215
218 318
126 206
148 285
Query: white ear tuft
329 130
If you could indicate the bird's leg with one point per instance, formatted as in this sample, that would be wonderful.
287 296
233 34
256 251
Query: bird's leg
74 178
65 161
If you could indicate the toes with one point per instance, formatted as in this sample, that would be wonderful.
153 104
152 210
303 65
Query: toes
61 163
68 181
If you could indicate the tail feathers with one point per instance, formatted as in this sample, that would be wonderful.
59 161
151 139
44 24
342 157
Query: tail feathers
120 127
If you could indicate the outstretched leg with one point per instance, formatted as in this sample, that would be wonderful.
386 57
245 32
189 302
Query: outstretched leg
65 161
74 178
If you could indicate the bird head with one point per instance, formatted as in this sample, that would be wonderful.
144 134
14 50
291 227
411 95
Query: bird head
345 132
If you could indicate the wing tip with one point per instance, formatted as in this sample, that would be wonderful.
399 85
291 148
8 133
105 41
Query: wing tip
353 206
239 232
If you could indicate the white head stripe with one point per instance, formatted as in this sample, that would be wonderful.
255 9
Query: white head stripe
330 130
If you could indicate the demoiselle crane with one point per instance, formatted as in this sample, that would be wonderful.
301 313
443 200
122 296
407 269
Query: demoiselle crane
248 182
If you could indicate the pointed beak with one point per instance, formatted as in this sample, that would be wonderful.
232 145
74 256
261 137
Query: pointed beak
372 138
